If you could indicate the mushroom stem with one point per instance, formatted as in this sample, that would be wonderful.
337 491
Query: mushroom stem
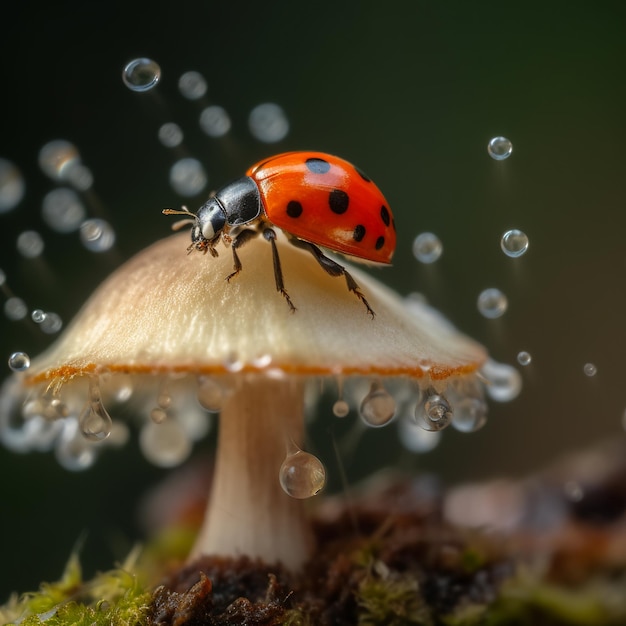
248 512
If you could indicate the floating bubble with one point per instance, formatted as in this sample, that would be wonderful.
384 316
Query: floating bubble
57 158
15 309
170 135
52 323
215 121
166 444
302 475
514 243
268 122
97 235
192 85
590 369
499 148
19 361
62 210
427 248
341 408
12 186
378 406
141 74
3 278
417 439
38 316
187 177
492 303
504 382
30 244
470 415
524 358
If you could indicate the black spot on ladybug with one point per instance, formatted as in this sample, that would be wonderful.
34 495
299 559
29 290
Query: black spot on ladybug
384 215
294 208
338 201
317 166
380 242
359 232
363 175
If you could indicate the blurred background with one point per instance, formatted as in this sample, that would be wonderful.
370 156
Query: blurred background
412 93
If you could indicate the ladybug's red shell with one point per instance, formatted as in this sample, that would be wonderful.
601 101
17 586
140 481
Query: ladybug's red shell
326 201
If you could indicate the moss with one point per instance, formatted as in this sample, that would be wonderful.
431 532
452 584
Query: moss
115 598
386 598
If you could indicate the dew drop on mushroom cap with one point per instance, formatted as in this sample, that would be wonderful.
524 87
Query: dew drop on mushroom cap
235 347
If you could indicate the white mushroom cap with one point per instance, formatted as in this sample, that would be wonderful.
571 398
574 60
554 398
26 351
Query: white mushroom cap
168 311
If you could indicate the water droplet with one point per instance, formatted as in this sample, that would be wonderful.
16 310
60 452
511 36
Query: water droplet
470 415
504 382
57 158
492 303
166 444
15 309
95 422
38 316
170 135
427 247
211 395
215 121
417 439
192 85
97 235
573 491
268 122
19 361
141 74
433 413
164 399
233 364
590 369
524 358
514 243
378 406
30 244
302 475
52 323
499 148
62 210
12 186
187 177
72 451
80 177
52 407
341 408
158 415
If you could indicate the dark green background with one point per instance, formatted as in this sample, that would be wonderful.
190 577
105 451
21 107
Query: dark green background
412 92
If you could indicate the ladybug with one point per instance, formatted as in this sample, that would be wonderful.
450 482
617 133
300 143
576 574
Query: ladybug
315 198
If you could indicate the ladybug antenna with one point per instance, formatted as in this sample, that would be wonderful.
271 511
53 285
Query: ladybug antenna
189 217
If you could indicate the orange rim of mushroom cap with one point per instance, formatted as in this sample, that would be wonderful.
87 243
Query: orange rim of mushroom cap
166 311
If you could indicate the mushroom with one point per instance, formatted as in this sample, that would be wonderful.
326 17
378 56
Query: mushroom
168 326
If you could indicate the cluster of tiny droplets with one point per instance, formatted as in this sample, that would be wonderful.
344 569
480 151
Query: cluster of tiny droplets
267 122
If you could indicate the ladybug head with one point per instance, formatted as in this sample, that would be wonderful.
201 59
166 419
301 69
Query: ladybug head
208 225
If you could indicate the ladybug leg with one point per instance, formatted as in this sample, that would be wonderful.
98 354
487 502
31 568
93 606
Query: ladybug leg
270 235
242 237
334 269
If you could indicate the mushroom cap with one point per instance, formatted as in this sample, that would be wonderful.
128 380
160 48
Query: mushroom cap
166 311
